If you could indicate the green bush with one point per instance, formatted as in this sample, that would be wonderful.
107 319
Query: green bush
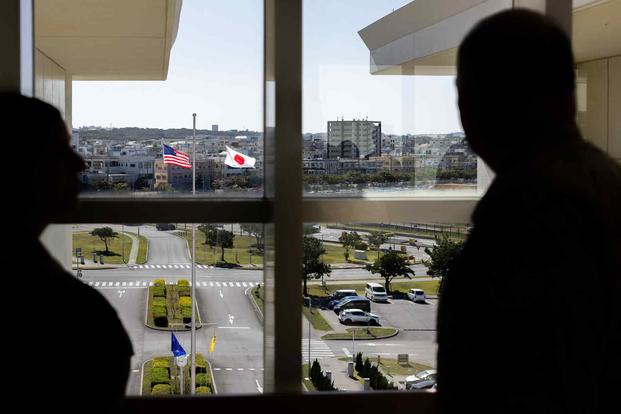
158 301
359 364
159 282
161 389
159 291
161 363
183 282
159 311
203 390
160 376
185 301
184 291
202 380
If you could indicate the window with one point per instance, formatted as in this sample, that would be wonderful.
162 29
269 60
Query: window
367 157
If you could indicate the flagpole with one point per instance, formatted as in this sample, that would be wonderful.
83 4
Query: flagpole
193 335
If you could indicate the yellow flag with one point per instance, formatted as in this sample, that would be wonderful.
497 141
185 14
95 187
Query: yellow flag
213 344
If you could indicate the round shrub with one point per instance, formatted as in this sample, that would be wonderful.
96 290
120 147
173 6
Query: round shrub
160 376
158 301
161 389
201 380
159 282
203 390
183 282
159 291
185 301
161 363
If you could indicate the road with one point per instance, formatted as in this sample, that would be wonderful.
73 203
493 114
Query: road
226 311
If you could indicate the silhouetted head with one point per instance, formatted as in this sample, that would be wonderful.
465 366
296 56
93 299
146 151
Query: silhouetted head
516 82
40 167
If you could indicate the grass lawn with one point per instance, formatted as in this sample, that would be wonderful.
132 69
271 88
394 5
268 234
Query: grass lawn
334 254
316 319
173 382
92 244
239 254
401 287
307 382
362 333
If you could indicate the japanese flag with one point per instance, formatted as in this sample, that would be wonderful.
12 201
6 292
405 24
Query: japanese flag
235 159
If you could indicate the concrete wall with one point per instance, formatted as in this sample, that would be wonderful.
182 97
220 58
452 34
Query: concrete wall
51 86
599 103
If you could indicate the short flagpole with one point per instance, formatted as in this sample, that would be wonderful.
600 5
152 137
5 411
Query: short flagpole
193 335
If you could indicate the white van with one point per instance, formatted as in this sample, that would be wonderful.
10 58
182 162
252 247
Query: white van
417 295
376 292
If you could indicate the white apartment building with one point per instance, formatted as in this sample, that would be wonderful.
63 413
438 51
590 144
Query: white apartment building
354 139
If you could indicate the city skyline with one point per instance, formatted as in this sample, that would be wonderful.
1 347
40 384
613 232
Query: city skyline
216 70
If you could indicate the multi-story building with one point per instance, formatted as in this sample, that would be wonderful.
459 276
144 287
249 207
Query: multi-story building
354 139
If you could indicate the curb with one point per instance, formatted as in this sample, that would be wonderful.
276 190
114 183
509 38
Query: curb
255 305
142 376
213 379
365 339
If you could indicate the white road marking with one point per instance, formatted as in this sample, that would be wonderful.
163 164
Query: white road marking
96 283
218 284
229 369
259 387
217 369
237 284
347 353
117 284
210 284
120 292
244 284
124 284
231 319
233 327
132 284
221 295
240 369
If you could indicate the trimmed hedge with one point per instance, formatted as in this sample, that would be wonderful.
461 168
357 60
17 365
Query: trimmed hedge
203 390
158 301
202 380
160 376
161 389
184 291
159 282
185 301
183 282
159 291
161 363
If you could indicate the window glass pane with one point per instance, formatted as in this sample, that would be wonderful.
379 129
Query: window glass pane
395 331
143 270
129 80
380 115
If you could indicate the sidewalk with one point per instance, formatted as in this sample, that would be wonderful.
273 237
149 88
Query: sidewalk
339 374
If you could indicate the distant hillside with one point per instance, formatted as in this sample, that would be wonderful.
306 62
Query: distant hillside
138 134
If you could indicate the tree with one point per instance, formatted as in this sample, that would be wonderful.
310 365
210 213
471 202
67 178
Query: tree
349 241
215 237
105 234
376 239
256 231
442 255
390 266
311 263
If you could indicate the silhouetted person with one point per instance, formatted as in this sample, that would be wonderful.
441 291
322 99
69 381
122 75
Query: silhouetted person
68 351
529 316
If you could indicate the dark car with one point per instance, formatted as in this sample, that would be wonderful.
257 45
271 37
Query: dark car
339 295
353 302
165 226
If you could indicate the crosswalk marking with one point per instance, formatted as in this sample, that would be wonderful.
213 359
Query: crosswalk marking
144 284
237 284
319 349
210 284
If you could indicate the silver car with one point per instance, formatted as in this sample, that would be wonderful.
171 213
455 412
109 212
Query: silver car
349 316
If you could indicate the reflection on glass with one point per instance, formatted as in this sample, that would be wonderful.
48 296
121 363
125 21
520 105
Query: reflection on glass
377 133
371 291
144 271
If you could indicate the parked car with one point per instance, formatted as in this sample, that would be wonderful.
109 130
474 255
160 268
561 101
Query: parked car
417 295
165 226
423 384
376 292
340 294
353 302
349 316
417 379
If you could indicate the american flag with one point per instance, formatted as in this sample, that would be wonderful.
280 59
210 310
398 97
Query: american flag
174 157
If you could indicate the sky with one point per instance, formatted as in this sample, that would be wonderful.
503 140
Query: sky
216 70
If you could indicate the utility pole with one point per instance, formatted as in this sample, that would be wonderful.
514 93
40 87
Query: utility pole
193 329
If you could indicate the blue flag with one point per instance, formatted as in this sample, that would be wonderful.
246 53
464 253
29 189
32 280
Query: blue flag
175 346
